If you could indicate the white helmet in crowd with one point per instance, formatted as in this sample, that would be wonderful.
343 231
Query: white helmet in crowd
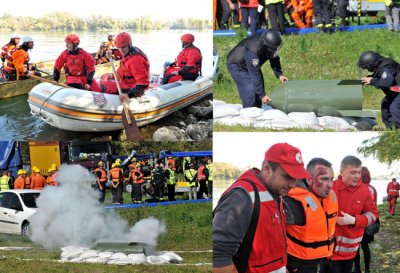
15 36
111 34
27 39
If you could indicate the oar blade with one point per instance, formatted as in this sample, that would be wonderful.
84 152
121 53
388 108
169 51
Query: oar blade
131 130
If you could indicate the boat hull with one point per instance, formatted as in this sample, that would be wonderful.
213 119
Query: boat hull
85 111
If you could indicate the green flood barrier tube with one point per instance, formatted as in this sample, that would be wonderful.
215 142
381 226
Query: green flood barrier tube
339 98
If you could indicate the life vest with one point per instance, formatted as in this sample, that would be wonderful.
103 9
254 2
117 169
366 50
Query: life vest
190 174
267 255
171 179
174 78
103 176
317 237
19 182
7 51
134 69
355 201
115 174
210 168
4 183
200 173
108 84
17 63
393 188
137 175
190 55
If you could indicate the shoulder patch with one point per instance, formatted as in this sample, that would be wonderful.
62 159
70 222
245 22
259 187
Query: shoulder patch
255 62
384 75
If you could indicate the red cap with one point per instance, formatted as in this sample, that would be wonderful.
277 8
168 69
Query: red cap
289 158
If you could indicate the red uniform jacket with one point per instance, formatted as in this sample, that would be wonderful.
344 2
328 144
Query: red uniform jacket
77 67
134 69
393 188
269 245
358 202
190 56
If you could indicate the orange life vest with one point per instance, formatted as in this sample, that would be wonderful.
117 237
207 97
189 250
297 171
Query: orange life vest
19 182
115 174
200 173
316 238
103 176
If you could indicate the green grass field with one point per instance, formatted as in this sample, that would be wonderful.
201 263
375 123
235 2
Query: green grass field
313 56
189 229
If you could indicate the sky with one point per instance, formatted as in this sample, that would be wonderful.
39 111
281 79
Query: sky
247 149
158 9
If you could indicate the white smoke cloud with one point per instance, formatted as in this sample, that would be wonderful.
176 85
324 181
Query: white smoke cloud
71 215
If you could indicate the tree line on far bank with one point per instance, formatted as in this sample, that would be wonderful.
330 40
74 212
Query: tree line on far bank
65 21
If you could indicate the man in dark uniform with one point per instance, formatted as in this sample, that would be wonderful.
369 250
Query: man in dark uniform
158 178
385 74
244 63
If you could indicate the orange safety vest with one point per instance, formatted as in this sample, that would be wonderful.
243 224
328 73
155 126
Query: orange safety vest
103 177
200 173
138 179
172 161
18 63
115 174
38 182
28 180
19 182
316 238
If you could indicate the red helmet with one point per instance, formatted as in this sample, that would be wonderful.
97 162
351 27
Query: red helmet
72 38
123 39
187 38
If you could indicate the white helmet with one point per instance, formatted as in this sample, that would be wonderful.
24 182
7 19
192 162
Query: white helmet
27 39
111 34
15 36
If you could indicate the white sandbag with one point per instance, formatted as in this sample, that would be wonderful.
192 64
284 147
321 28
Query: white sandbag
97 260
237 106
276 124
72 252
225 110
88 255
120 261
164 258
137 258
118 255
105 254
251 112
304 119
217 102
233 121
273 114
335 123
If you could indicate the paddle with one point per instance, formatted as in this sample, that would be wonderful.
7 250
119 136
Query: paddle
49 81
130 125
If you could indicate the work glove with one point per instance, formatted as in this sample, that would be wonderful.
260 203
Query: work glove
346 219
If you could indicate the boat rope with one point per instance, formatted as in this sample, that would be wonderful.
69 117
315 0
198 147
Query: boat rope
40 110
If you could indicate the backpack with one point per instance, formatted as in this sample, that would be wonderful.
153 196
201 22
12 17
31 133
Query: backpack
373 228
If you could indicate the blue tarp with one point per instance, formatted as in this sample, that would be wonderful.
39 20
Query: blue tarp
164 154
306 30
130 206
10 156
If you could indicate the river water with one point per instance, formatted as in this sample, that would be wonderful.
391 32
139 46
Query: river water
16 123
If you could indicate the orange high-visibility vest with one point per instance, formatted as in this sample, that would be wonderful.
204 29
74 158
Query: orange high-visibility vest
316 238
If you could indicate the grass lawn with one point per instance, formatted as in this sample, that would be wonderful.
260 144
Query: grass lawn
189 229
315 56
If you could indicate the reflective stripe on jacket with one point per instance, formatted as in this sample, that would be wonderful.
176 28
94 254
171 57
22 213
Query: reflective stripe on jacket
190 175
316 238
357 202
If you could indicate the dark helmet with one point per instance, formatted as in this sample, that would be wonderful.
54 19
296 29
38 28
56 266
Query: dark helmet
272 40
369 60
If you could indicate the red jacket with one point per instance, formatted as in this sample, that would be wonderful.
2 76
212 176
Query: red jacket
190 56
393 188
77 67
134 69
269 245
251 4
358 202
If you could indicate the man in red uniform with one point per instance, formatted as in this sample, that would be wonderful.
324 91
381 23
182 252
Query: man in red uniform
189 61
393 193
134 69
357 210
249 223
78 65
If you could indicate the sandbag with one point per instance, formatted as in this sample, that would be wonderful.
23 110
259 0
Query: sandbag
304 119
251 112
225 110
335 123
273 114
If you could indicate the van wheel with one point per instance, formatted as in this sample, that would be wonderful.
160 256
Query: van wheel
26 230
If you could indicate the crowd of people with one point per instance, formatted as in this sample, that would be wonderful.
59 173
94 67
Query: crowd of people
286 217
79 65
280 14
158 180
